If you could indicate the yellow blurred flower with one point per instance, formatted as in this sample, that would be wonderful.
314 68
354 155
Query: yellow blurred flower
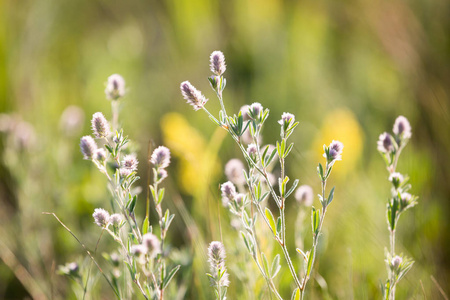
341 125
198 159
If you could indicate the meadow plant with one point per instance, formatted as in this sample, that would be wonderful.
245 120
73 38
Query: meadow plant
249 200
140 249
219 275
390 148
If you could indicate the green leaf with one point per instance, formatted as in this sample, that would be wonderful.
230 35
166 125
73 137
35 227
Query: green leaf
152 189
296 294
271 219
309 265
315 221
278 225
275 266
288 150
245 241
161 195
145 225
169 277
294 185
330 196
265 263
305 257
320 171
132 204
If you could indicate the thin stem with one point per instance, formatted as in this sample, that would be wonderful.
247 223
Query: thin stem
392 273
115 114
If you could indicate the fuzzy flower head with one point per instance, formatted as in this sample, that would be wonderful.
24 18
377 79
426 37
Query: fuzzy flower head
402 128
396 179
252 151
217 63
100 155
256 110
228 191
334 151
160 157
244 111
71 121
396 261
116 220
287 119
101 217
100 126
234 171
152 243
130 162
193 96
88 147
304 195
216 259
138 250
125 172
405 199
160 175
115 87
385 143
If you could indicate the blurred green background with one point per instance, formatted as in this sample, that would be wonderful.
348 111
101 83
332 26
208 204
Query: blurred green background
346 69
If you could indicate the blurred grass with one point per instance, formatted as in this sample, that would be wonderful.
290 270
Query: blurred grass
345 69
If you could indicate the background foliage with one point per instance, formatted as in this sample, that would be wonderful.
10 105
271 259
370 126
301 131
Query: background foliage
346 69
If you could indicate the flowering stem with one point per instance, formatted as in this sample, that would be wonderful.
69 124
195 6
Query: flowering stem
392 274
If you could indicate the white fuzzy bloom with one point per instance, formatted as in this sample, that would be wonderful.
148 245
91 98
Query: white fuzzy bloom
100 126
234 171
334 151
287 118
216 259
161 157
217 63
101 217
116 220
304 195
115 87
193 96
402 127
396 261
130 162
152 243
385 143
88 147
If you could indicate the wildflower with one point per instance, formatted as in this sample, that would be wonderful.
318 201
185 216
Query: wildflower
101 217
115 87
152 243
193 96
402 128
304 195
405 199
334 151
228 191
396 179
161 174
130 162
286 119
256 111
100 126
125 172
71 120
116 220
234 171
160 157
88 147
216 259
100 154
396 261
244 111
252 151
385 143
217 60
138 250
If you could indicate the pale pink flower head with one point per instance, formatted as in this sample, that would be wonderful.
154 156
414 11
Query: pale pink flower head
334 151
130 162
115 87
385 143
304 195
193 96
234 171
160 157
217 63
101 217
88 147
402 128
100 126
